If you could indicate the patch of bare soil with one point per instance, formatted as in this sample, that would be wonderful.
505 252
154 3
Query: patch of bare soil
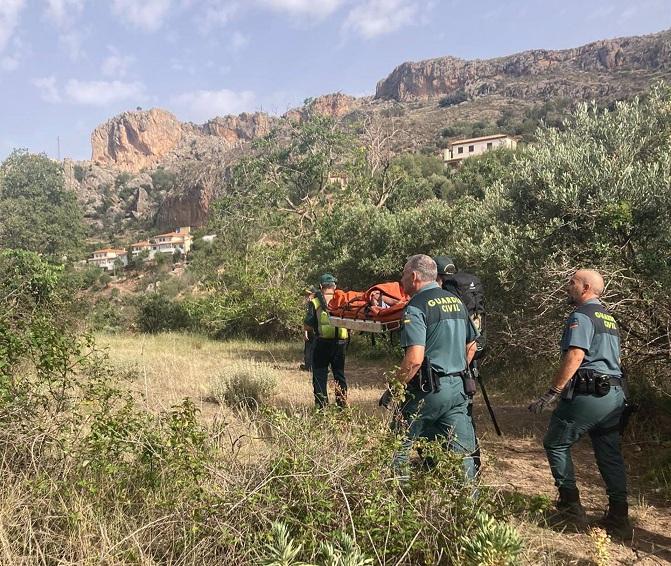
516 463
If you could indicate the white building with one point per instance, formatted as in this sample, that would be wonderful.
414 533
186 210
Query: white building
106 258
178 241
140 247
459 150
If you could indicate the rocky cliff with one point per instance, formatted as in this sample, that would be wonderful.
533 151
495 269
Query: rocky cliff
334 105
580 72
148 166
135 140
139 140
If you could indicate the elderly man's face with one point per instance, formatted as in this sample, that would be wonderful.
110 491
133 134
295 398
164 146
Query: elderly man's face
574 290
407 280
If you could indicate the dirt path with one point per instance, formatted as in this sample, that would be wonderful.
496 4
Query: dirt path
516 463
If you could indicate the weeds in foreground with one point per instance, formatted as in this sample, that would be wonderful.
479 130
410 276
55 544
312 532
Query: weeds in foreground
601 546
492 543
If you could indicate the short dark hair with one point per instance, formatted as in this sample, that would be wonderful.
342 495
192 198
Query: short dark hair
424 266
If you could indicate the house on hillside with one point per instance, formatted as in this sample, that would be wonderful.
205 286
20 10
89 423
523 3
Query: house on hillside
106 258
139 247
459 150
178 241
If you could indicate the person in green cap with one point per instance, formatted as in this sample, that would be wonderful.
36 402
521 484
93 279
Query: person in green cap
439 341
330 345
590 388
308 336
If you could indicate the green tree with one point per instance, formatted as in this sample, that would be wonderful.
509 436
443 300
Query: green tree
37 213
596 193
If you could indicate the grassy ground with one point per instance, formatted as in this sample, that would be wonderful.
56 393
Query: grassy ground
169 367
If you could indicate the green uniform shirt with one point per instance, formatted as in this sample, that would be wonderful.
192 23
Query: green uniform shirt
593 329
438 320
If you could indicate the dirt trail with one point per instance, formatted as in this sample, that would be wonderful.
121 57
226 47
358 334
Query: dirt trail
516 462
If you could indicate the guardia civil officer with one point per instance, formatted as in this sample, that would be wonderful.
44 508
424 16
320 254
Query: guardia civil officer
439 339
446 269
329 347
589 385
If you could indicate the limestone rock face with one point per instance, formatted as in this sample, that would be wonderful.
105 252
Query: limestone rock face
334 105
135 140
233 129
529 74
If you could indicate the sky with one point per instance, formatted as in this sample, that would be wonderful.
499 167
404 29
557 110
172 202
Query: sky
67 66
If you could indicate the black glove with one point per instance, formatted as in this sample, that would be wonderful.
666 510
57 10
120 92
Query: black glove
386 399
550 397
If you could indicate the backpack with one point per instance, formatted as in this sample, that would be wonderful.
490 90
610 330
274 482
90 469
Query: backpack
470 290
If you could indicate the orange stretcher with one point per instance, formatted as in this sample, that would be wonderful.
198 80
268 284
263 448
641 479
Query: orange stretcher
377 309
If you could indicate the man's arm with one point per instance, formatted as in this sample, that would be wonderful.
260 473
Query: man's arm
310 320
471 348
570 362
412 361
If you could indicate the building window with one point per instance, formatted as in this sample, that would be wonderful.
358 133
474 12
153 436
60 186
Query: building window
471 148
489 145
460 150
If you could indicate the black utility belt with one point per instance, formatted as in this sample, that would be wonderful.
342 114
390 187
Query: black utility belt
589 382
428 381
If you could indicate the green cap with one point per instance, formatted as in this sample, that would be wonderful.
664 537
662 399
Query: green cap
445 265
327 279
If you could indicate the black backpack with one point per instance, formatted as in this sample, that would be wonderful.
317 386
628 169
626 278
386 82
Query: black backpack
470 290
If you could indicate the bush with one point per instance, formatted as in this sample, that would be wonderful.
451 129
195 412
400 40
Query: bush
108 316
245 384
456 97
492 543
158 313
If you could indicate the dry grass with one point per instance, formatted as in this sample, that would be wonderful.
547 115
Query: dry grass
172 366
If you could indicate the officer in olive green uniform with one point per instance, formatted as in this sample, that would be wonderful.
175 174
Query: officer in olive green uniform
436 334
329 347
590 384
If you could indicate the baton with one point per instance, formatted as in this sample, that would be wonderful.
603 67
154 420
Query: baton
477 375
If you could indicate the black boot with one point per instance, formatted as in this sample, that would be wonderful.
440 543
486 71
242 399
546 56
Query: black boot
569 511
616 522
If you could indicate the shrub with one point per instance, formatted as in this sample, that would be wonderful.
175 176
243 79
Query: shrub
79 173
492 543
245 384
158 313
453 98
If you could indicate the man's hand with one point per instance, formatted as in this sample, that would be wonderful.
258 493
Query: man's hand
386 399
550 397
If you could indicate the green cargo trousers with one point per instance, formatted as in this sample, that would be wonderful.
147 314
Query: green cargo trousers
598 416
442 415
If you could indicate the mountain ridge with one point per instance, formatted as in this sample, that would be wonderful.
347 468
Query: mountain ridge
423 101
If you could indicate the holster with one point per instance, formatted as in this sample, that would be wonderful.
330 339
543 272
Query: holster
468 378
589 382
426 380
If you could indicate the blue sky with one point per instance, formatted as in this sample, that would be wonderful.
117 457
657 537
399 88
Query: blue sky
69 65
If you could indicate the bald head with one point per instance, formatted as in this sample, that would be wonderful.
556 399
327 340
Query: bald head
585 284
